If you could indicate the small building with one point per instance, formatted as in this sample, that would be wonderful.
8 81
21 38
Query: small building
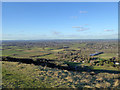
74 61
83 61
117 63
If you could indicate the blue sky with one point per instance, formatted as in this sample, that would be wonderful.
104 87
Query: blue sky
75 20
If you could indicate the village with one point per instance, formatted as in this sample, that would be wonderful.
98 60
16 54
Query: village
43 59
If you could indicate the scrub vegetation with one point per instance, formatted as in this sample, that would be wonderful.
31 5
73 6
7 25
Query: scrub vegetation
60 64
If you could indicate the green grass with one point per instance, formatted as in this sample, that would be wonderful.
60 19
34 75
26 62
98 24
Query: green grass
57 50
105 68
11 52
72 63
19 49
16 75
107 55
48 48
28 75
51 56
24 52
22 75
78 45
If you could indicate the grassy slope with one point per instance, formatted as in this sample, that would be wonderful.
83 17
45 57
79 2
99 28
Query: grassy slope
22 75
30 76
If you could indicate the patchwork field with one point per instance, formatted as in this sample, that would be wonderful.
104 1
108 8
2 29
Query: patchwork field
60 64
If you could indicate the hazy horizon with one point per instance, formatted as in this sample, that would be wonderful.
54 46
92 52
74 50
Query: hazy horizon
58 39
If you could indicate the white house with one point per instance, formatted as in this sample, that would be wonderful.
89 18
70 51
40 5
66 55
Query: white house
117 63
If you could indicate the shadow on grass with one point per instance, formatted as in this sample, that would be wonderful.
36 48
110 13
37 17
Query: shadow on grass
51 64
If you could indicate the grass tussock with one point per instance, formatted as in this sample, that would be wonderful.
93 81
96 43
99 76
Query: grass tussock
16 75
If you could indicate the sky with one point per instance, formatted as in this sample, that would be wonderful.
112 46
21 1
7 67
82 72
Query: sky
59 20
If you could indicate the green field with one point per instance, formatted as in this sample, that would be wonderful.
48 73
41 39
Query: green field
61 72
108 55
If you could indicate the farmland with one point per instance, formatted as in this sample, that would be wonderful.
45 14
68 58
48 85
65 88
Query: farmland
60 64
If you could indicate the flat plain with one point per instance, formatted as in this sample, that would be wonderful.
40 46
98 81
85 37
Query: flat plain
60 64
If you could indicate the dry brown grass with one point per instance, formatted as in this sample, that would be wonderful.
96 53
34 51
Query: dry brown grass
85 81
116 83
103 85
55 77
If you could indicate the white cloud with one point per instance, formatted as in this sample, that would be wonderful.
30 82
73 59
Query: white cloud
107 30
56 33
76 27
83 29
83 12
80 28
